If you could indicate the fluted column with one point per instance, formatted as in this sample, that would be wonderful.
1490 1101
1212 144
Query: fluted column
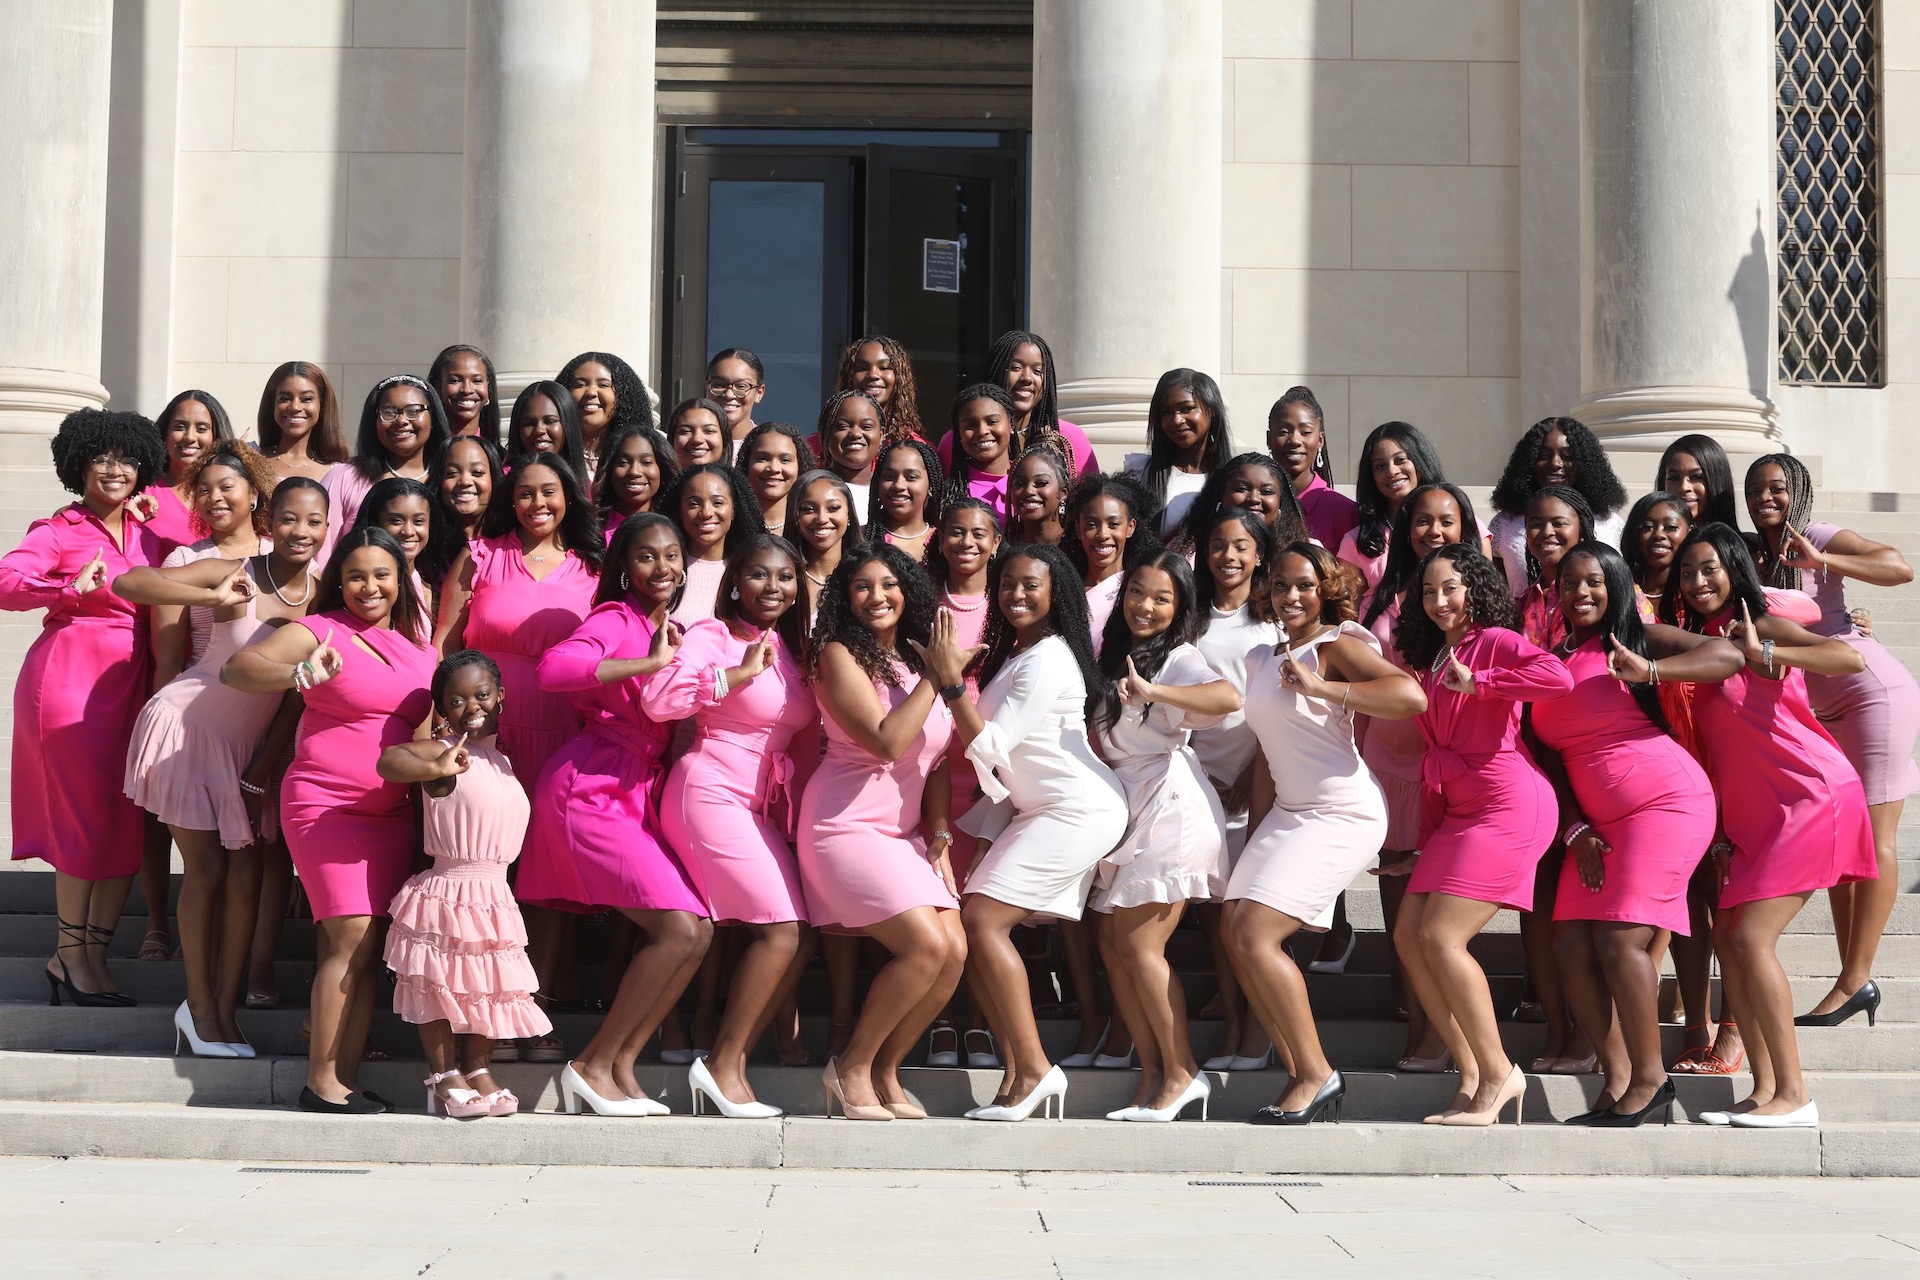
55 58
1126 200
557 233
1678 222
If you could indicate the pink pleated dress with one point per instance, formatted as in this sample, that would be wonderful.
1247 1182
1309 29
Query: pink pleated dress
1489 811
863 848
1640 790
79 692
594 841
351 832
196 736
458 947
1395 750
729 805
1791 803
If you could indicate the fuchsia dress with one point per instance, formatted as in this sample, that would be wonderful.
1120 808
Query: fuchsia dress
1791 804
349 830
1642 791
172 522
458 945
515 619
1394 750
1330 513
80 689
729 805
594 841
1490 812
863 852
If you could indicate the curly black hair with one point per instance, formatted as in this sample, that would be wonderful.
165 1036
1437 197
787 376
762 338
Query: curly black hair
573 440
1219 442
87 434
631 403
1403 564
1205 590
1131 494
791 625
1622 618
962 471
1376 521
1489 604
1043 420
1721 503
438 550
610 447
488 425
900 417
1592 473
235 455
580 531
930 508
408 618
370 456
1743 577
1289 519
1630 537
1118 644
458 661
746 520
1572 498
613 568
839 624
1068 618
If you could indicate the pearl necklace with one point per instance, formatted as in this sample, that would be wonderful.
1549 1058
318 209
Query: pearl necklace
291 604
818 582
897 536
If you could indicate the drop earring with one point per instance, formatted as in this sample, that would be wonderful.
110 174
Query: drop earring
733 593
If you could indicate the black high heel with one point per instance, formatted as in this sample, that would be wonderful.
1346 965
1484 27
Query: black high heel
1867 998
1327 1099
1662 1097
101 936
1603 1105
64 980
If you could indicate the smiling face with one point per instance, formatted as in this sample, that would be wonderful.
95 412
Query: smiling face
985 433
471 701
698 438
539 500
463 389
1183 420
1025 379
224 497
1443 594
592 389
538 426
1025 597
773 467
1294 440
706 514
1232 556
1553 528
299 525
968 540
1254 488
296 408
852 436
189 433
1583 592
1106 526
1393 472
1434 522
1660 534
873 372
877 599
823 517
1769 497
768 582
1036 489
402 421
408 518
109 480
1686 479
1295 594
903 484
656 566
370 583
466 480
733 385
1554 463
1149 602
634 475
1705 584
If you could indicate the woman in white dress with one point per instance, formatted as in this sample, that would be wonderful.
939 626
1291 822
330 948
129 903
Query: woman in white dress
1051 808
1318 816
1158 690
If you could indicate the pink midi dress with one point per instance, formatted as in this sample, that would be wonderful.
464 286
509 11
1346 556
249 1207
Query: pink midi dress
863 848
1489 811
1226 749
350 831
458 947
729 804
1791 803
1395 750
1640 790
196 736
595 841
79 692
1873 714
515 619
172 519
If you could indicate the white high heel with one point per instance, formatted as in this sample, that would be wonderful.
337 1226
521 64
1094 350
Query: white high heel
1051 1090
574 1090
1199 1088
240 1047
1260 1063
184 1036
1124 1113
1115 1061
700 1082
1087 1059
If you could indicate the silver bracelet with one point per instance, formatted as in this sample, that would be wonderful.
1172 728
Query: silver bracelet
1766 655
251 789
720 686
1574 831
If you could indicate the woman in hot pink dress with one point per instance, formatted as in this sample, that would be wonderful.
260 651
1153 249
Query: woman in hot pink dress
81 688
1635 822
594 842
1022 363
874 829
728 807
1488 810
1793 810
362 663
192 423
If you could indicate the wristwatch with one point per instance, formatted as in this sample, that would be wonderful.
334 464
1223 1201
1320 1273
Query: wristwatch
953 692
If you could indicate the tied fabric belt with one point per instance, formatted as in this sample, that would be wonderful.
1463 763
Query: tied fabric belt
780 773
1441 765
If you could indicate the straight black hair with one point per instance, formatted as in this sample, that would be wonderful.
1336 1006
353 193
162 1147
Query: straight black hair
1219 443
1376 519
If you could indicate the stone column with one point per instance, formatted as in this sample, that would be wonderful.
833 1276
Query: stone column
1678 223
1126 200
54 75
557 233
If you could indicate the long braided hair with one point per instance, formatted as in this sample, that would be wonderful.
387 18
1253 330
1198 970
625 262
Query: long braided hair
1043 421
900 416
1774 570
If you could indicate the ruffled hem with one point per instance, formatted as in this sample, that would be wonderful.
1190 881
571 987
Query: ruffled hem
468 972
1184 886
166 774
510 1015
463 916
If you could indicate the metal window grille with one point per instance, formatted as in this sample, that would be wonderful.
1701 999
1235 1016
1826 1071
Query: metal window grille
1827 114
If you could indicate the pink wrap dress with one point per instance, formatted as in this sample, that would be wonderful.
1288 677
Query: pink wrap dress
594 841
729 804
350 831
1640 790
80 690
1490 812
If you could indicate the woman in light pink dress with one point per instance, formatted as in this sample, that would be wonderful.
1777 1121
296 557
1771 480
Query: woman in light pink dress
1793 810
81 688
717 513
361 661
457 947
874 832
594 842
729 805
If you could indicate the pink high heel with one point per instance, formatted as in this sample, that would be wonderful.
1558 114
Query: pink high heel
501 1102
461 1104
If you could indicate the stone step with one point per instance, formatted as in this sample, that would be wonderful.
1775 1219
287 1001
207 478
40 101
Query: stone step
159 1131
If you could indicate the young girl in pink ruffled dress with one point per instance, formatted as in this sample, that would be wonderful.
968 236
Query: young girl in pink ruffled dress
457 947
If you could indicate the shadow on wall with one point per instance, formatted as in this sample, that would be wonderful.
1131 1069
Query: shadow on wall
1751 294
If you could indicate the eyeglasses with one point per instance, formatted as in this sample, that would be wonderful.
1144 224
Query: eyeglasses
114 462
740 389
394 412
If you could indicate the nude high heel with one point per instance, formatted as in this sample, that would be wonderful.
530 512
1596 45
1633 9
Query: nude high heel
852 1111
1513 1089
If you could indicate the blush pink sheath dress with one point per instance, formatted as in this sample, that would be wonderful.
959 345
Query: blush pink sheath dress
595 840
195 738
970 627
1874 714
1101 597
515 619
729 804
350 831
1639 788
1791 804
458 947
1395 750
172 523
863 851
1490 812
80 690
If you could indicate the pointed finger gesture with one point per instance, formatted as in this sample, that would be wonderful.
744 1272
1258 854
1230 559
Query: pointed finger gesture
92 575
453 760
235 588
1626 666
143 507
666 640
1135 691
1798 552
325 662
1458 676
1744 634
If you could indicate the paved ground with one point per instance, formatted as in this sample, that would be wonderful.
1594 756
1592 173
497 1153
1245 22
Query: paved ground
76 1218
